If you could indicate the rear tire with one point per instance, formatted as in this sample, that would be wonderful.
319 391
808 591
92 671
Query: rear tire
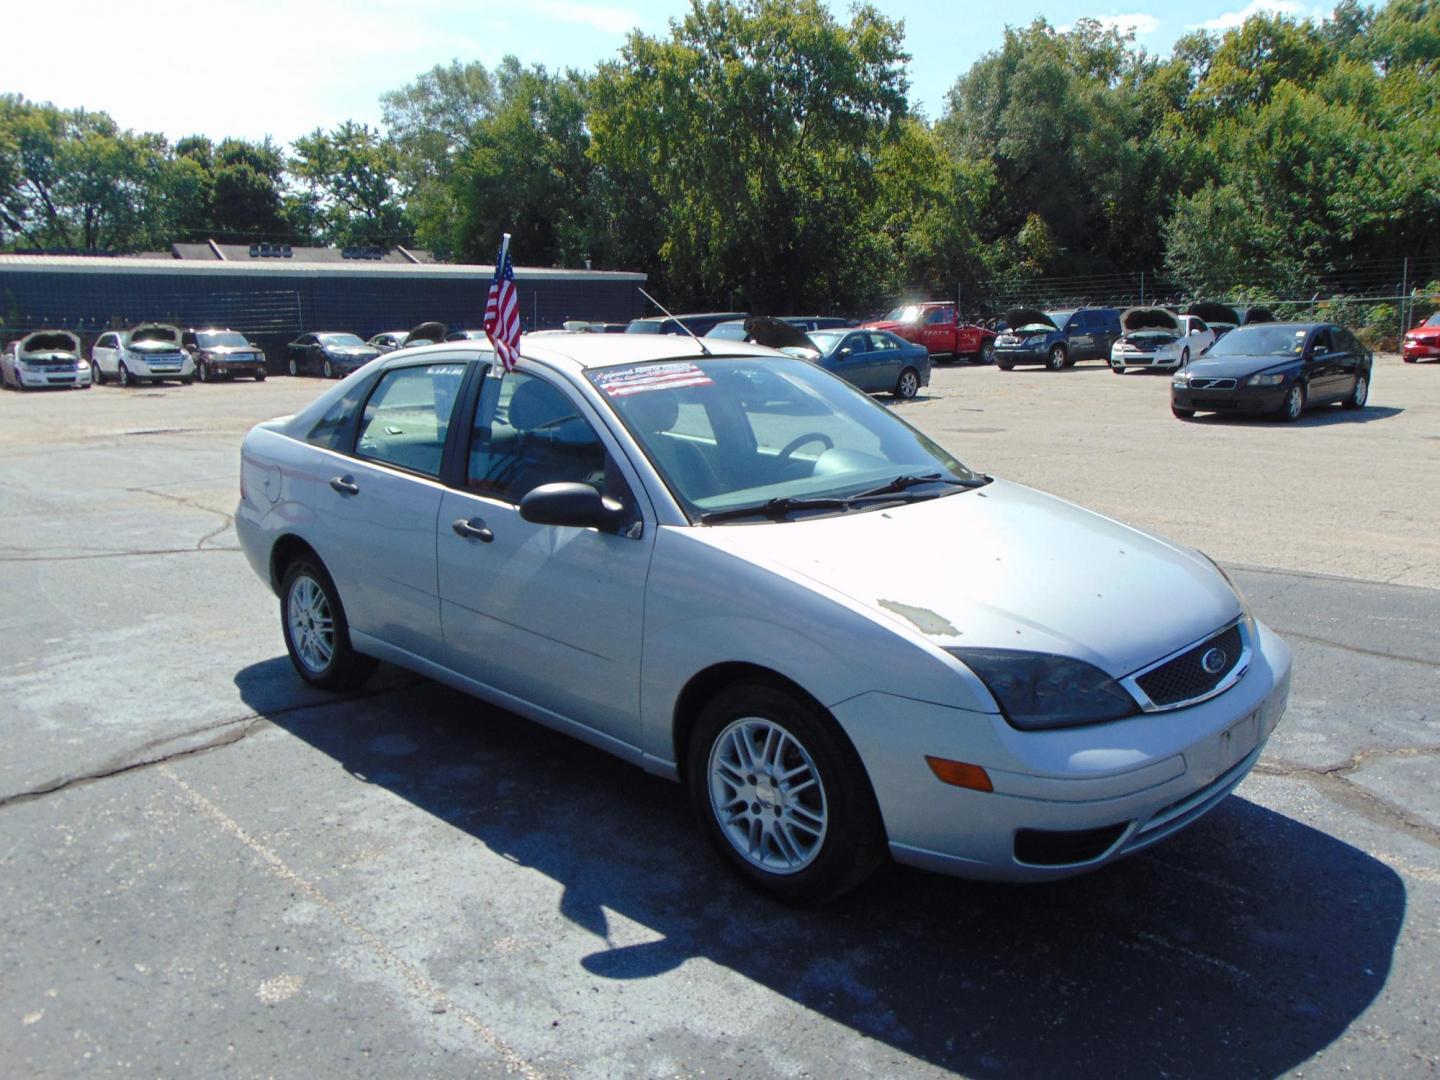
987 353
782 794
294 367
317 635
1361 392
907 385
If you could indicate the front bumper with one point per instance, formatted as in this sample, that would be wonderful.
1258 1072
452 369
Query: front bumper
1240 399
32 379
1420 350
142 369
1131 782
219 366
1147 361
1021 355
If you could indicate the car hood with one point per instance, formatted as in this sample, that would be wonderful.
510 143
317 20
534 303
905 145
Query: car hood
367 351
1236 367
893 325
1148 318
1013 568
1018 317
775 333
1210 312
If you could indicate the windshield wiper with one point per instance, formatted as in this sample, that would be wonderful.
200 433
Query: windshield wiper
909 480
775 508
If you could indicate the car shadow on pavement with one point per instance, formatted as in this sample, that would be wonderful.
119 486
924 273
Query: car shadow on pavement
1319 417
1241 947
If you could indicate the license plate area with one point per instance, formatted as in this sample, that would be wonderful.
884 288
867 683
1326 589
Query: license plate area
1238 740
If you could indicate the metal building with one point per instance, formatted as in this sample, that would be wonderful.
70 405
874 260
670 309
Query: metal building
273 297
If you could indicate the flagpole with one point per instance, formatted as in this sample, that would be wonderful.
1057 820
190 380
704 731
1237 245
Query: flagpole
504 248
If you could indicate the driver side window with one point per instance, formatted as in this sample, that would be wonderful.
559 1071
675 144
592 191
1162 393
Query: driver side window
529 432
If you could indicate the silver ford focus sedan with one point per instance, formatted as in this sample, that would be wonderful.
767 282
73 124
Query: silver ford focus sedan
706 559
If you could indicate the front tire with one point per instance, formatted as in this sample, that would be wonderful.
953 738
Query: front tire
317 635
96 375
1293 404
907 385
126 379
1181 414
328 370
1361 393
783 795
259 376
1056 360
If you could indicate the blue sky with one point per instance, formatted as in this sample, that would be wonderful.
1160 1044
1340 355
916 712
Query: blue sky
284 67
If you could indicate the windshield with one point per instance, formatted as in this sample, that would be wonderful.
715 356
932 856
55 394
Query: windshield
341 339
1059 318
221 339
1434 320
730 331
644 326
908 313
733 433
826 340
1267 339
156 333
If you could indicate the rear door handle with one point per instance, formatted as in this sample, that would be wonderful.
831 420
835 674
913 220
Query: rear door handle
345 485
474 529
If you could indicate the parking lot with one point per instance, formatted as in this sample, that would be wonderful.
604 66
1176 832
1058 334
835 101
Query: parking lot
207 866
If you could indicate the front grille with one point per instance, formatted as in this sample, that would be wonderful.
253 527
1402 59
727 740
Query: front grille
1046 847
1185 678
1212 384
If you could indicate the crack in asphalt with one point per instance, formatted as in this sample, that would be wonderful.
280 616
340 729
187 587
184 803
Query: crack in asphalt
229 738
188 502
117 554
124 762
1336 780
1360 649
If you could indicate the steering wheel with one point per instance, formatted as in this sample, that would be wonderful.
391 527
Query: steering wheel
800 440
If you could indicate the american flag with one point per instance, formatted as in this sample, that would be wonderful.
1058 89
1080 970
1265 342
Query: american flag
502 310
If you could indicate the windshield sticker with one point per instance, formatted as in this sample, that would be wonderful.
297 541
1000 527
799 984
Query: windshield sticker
445 369
638 380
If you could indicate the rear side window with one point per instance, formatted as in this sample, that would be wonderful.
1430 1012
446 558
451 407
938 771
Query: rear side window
408 416
329 430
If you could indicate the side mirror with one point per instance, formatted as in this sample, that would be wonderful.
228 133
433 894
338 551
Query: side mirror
846 351
576 505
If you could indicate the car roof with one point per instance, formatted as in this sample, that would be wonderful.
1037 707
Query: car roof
581 351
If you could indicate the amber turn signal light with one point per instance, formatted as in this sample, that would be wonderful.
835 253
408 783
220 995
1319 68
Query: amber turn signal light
960 773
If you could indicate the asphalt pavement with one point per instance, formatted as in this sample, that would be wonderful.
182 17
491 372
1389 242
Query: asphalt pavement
207 867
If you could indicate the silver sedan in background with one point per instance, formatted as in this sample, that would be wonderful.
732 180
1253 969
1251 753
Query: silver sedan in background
698 558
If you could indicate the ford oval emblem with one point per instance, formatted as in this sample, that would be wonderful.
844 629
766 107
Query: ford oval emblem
1214 661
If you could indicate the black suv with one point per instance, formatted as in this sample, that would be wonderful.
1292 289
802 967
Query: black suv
1057 339
222 354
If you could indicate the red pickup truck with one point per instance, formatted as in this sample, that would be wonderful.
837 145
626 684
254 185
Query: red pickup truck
937 326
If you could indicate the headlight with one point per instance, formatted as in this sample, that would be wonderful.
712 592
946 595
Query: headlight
82 365
1038 691
1265 380
1181 380
1035 339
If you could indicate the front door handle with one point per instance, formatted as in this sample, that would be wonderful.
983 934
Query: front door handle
472 529
345 485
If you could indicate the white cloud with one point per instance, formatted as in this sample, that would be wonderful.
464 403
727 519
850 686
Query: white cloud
1231 20
273 67
1138 24
609 20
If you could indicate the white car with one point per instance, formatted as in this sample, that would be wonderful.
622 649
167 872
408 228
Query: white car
714 561
150 352
1157 338
46 358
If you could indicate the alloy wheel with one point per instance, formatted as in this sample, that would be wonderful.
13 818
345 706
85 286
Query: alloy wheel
767 795
312 625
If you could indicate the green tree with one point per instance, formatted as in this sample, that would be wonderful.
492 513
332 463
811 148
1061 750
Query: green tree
741 148
346 187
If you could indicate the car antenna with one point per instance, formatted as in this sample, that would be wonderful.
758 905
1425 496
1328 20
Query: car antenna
677 322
